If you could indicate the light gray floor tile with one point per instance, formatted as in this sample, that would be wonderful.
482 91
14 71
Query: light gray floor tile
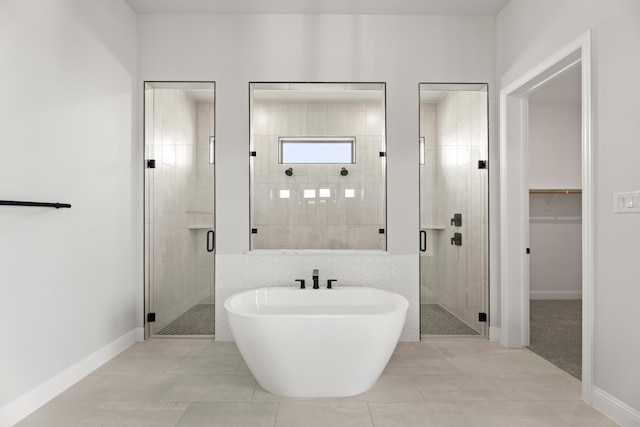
535 364
210 384
261 395
390 388
243 369
455 388
207 364
417 415
510 414
217 347
410 364
62 414
78 390
459 346
130 388
229 414
131 414
489 363
212 388
168 347
578 414
323 414
138 364
533 387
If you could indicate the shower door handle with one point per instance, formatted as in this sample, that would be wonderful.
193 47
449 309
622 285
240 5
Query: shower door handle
211 240
423 241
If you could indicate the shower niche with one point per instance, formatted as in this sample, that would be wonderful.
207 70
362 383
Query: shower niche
317 166
453 151
179 143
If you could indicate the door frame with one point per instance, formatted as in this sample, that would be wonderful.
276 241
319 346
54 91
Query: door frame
486 329
514 190
147 200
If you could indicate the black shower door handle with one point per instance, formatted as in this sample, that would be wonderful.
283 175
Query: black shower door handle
423 241
211 240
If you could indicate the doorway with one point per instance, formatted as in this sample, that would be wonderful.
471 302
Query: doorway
514 212
179 142
555 220
454 226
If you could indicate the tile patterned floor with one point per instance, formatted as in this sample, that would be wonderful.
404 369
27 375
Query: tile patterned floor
198 320
436 320
437 382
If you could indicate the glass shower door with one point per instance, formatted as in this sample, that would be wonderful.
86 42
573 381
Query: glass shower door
180 208
453 209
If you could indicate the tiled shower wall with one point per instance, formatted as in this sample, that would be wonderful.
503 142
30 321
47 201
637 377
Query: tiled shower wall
180 202
350 211
396 273
455 131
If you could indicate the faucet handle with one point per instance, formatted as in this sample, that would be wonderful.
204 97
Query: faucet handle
329 282
301 283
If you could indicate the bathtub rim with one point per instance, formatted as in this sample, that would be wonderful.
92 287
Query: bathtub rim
402 304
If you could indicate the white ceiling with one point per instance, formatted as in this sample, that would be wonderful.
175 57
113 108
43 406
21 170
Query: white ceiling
338 7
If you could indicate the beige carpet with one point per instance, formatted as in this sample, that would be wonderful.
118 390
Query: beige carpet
556 333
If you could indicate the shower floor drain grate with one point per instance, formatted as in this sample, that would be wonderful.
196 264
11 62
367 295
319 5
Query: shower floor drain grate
198 320
435 320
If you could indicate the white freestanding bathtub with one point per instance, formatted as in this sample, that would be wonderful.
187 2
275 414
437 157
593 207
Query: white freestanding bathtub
316 342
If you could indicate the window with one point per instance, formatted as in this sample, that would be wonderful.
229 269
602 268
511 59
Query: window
317 149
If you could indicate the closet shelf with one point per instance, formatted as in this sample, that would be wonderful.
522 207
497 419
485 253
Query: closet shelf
555 191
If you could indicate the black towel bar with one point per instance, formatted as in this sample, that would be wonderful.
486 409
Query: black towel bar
41 204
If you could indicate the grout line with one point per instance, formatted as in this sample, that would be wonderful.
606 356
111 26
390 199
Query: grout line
370 414
275 420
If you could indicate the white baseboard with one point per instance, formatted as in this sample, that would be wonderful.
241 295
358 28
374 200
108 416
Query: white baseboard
495 333
555 294
613 408
15 411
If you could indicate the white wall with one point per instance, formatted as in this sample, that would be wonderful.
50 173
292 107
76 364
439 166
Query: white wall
555 239
555 227
555 134
71 278
399 50
527 33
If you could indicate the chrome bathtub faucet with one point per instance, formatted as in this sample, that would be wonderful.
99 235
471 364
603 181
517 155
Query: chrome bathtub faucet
315 279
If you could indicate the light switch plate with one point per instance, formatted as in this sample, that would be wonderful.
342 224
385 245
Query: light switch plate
628 202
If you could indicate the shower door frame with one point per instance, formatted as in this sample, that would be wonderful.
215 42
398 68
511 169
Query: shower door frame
487 289
147 235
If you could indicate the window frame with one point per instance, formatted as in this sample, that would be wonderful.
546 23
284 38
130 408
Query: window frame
283 140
